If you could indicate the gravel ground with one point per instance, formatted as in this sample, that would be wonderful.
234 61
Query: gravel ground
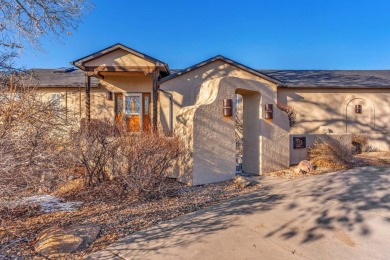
117 216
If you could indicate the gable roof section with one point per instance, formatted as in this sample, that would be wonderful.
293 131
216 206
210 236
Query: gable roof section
225 60
80 62
332 78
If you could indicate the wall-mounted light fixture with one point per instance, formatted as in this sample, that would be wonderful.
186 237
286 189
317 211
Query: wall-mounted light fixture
269 114
358 109
109 95
227 107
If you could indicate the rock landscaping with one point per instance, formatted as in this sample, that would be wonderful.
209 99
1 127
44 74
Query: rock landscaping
103 215
304 167
57 242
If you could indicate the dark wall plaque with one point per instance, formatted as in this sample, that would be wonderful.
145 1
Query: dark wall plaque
299 142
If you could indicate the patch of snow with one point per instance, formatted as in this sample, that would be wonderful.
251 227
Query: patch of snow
48 203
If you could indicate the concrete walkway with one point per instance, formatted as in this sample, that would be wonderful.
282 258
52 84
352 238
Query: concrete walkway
344 215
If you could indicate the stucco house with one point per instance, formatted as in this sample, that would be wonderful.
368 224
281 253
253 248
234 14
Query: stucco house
197 105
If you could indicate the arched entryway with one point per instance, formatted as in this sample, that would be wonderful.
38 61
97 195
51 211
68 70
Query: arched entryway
248 130
208 133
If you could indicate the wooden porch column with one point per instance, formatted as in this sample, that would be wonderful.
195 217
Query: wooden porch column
88 98
155 98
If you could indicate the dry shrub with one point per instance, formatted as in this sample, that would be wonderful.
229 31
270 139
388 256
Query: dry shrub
135 162
329 152
359 142
291 113
93 147
33 139
145 160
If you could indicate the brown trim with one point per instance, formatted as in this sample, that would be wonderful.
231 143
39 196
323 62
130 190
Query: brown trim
88 99
155 98
118 68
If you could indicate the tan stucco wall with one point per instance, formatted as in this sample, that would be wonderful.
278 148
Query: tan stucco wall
335 109
74 98
102 108
119 58
210 137
71 98
185 89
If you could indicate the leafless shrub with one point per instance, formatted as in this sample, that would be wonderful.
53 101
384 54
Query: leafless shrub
93 147
136 162
329 152
291 113
145 160
359 142
33 137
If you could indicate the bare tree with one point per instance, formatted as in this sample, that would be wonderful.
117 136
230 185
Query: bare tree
33 139
26 21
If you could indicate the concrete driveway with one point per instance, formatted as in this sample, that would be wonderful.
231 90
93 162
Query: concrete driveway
343 215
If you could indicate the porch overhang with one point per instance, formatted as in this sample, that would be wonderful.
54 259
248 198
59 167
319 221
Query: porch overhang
101 71
131 61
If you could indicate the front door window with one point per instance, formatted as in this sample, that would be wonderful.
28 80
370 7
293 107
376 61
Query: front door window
133 112
133 105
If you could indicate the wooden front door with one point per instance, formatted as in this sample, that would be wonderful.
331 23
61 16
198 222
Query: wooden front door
133 112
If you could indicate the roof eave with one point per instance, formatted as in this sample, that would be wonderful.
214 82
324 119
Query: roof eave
226 60
336 87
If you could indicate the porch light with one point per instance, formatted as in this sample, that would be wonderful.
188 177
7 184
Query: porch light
109 95
227 107
269 111
358 109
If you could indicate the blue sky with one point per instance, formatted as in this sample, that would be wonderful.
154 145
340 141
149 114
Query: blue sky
272 34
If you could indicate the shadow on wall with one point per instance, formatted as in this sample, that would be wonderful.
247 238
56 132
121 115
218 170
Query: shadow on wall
347 198
186 90
341 118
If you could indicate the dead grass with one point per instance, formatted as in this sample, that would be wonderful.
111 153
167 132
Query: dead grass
372 158
117 217
359 160
330 153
